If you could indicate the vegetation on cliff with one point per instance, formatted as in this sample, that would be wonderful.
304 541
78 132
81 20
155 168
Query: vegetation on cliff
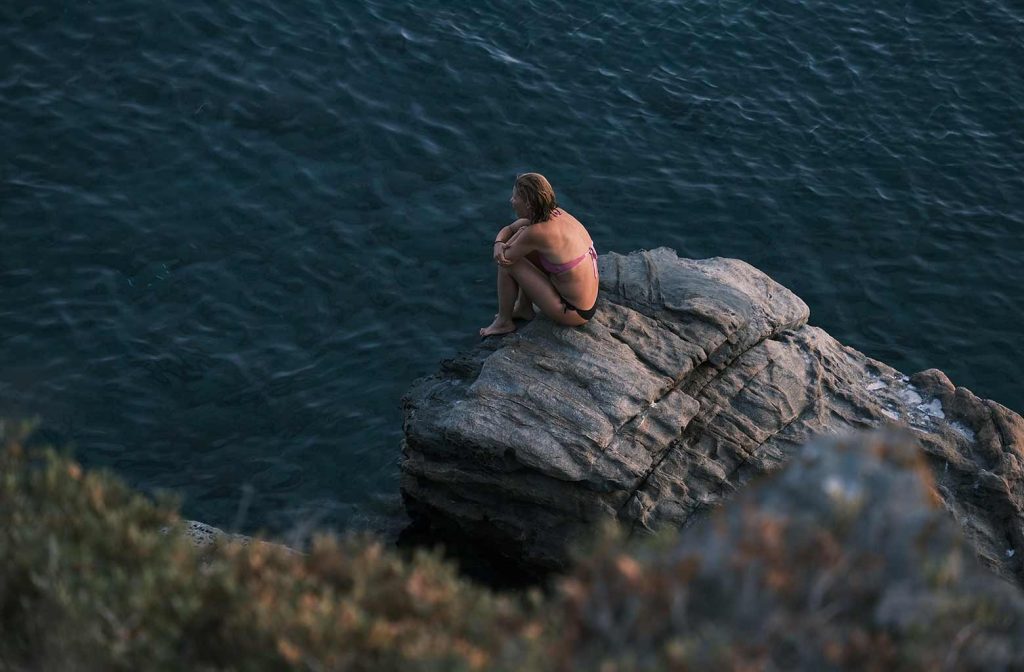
89 580
843 561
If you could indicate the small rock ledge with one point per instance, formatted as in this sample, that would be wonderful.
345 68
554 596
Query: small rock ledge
693 377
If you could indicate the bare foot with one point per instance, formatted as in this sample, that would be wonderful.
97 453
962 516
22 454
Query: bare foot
499 326
521 312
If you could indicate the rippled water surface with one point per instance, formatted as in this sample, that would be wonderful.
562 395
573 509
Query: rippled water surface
231 233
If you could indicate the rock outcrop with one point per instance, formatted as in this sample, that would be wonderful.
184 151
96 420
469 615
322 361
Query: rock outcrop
841 560
204 536
693 377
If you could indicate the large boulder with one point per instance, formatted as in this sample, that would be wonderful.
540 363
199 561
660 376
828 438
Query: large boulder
693 377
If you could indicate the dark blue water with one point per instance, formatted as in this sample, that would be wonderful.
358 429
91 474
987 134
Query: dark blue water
231 233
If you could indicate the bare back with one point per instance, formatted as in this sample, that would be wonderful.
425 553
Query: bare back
561 239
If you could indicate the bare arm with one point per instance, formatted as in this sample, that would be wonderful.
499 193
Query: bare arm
522 243
510 230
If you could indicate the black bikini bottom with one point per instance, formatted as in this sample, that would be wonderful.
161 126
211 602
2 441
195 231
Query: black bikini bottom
585 314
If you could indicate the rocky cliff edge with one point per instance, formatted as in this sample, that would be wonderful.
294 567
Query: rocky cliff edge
693 377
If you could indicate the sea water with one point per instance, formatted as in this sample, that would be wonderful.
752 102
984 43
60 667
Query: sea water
233 232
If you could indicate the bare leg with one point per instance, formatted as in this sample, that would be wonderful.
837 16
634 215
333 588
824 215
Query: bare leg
508 288
524 305
539 289
523 309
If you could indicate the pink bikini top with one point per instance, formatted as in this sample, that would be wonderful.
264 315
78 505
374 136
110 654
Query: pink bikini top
557 269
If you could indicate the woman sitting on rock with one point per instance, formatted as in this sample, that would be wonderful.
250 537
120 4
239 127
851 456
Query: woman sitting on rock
546 257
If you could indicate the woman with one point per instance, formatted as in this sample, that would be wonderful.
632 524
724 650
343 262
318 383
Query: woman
546 257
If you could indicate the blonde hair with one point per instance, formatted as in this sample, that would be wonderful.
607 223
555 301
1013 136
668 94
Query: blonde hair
536 192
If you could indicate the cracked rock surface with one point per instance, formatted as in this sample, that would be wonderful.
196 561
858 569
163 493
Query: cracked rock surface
693 377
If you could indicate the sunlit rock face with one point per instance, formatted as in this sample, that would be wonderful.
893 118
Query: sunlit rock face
693 377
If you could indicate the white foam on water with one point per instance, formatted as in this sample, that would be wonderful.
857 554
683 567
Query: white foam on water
932 408
910 396
963 430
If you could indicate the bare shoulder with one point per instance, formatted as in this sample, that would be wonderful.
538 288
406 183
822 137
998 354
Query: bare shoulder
572 218
579 227
540 232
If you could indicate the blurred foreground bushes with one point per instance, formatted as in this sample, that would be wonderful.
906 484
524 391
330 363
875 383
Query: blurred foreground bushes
89 582
843 561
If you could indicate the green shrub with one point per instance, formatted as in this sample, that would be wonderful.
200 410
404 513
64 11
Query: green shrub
88 581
